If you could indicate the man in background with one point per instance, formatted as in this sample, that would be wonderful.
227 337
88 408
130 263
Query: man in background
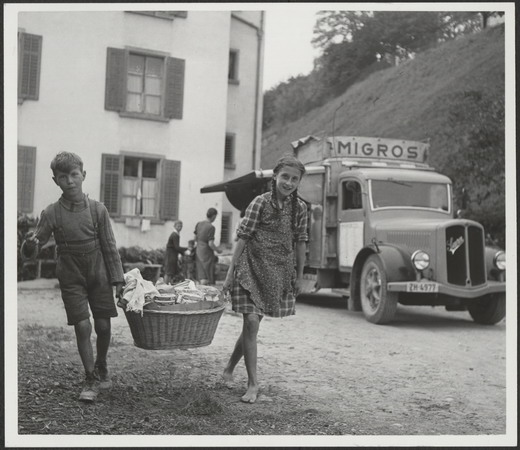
172 268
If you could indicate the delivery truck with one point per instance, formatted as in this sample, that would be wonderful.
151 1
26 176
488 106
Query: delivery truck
384 230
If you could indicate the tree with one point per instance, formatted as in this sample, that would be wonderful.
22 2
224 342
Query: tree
476 161
397 33
334 27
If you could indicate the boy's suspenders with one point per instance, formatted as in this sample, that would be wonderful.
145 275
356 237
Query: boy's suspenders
60 237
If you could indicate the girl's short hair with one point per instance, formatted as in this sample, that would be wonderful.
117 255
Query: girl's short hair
65 162
291 161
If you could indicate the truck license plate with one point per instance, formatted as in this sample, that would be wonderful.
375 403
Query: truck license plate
422 287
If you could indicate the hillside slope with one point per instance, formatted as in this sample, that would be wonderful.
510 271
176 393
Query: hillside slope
414 100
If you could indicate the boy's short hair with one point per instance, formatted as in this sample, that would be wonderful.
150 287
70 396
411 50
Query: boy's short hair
65 162
211 212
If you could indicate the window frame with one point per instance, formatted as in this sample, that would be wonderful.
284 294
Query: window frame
141 159
146 54
347 203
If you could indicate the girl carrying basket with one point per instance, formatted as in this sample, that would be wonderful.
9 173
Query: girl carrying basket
261 278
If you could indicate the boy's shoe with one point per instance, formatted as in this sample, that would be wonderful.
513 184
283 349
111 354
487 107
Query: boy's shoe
90 388
104 378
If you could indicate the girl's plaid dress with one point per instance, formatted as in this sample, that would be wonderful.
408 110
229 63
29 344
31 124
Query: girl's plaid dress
265 271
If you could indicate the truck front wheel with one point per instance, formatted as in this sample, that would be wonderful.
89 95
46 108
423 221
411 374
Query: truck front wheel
489 309
379 305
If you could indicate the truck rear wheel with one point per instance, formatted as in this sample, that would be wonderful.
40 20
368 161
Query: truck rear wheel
379 305
489 309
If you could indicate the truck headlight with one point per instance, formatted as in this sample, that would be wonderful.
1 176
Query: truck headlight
421 260
500 260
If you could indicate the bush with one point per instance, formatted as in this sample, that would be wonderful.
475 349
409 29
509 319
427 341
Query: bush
137 254
137 257
25 224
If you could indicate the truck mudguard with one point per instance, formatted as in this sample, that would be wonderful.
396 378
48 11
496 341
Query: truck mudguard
396 262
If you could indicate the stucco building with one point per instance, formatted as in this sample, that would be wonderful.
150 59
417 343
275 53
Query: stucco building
157 104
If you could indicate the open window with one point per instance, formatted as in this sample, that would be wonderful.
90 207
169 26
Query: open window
352 198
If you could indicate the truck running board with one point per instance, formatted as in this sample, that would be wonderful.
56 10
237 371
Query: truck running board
343 292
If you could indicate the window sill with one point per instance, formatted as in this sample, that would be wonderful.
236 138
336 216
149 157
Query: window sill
131 115
233 81
153 221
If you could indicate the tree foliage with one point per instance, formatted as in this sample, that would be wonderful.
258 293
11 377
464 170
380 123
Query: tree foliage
354 44
476 162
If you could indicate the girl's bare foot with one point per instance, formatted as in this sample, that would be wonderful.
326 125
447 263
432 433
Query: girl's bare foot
227 377
250 395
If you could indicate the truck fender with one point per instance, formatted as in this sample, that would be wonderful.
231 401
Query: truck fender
492 272
396 262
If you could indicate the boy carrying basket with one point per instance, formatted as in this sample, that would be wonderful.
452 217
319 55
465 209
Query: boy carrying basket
88 266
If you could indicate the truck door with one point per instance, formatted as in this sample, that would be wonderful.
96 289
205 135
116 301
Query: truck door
351 219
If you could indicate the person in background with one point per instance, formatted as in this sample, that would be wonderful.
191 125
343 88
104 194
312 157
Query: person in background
172 268
188 261
88 266
261 278
205 248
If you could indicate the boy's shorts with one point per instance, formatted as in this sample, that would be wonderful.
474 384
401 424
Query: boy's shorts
84 281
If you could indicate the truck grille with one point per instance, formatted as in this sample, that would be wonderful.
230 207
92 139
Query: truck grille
465 261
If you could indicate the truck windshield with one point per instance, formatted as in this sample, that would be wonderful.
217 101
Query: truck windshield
397 194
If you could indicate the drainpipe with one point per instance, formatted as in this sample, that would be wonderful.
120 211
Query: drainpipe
260 35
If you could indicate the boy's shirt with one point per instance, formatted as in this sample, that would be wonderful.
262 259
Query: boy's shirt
78 226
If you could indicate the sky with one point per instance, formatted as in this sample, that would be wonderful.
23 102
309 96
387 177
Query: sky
288 50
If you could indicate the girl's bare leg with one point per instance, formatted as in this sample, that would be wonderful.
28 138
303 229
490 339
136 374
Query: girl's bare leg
249 335
235 357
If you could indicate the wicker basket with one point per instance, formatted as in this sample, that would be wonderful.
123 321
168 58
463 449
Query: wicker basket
165 330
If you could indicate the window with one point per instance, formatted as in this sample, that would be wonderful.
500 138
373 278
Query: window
144 84
352 195
233 66
229 151
29 62
135 186
415 194
144 89
26 174
225 230
140 187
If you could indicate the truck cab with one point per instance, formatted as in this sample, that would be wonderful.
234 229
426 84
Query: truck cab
383 230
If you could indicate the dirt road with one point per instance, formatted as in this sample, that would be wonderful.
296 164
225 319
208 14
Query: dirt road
430 372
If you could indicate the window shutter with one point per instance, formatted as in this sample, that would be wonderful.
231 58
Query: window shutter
26 175
174 88
170 182
111 178
29 63
115 87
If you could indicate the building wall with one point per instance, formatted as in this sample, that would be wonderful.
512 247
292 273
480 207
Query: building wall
70 113
245 98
